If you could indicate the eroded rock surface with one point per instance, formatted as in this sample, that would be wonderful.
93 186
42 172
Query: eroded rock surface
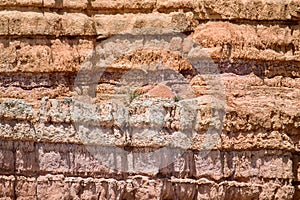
150 124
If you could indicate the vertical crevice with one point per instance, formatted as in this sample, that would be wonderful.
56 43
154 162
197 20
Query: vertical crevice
15 171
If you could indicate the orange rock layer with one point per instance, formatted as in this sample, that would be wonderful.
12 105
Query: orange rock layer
70 130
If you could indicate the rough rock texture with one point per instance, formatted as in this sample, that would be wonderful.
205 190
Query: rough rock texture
58 138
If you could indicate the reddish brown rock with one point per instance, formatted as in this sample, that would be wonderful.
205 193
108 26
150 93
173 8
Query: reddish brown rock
67 133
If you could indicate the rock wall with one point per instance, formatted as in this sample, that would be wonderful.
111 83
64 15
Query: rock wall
255 46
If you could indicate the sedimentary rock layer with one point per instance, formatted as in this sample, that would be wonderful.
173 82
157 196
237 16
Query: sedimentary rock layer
57 144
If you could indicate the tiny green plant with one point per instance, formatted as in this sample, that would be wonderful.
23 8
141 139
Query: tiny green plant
176 98
133 95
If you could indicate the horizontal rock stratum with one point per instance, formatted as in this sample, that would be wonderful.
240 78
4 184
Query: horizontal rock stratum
150 99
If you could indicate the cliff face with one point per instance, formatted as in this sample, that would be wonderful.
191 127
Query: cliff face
224 128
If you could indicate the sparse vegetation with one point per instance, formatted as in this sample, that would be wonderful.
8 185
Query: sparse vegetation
133 95
176 98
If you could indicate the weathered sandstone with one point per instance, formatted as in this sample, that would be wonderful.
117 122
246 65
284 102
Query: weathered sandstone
151 122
